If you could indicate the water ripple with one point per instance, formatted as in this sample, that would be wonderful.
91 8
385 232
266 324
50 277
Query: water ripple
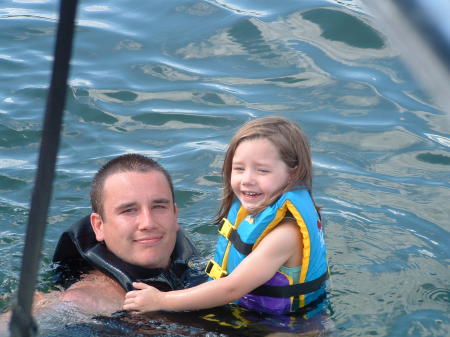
12 13
174 80
435 294
235 8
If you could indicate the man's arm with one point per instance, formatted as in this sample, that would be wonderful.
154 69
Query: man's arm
94 294
43 301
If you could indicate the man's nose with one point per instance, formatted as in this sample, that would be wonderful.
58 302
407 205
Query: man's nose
146 220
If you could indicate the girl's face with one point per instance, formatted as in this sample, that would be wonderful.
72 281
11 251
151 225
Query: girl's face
257 172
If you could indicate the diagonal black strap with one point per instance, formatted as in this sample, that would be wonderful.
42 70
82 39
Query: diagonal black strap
233 236
291 290
241 246
22 323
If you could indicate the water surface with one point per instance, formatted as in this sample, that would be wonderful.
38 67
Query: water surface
175 79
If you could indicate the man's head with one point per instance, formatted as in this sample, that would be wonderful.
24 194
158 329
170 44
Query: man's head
134 212
125 163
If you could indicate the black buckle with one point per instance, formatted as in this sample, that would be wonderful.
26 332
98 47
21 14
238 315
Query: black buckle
209 266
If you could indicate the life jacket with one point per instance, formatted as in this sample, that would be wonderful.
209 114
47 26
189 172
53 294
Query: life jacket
78 251
240 234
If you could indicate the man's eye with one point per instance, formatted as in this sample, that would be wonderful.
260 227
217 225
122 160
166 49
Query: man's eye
129 210
159 206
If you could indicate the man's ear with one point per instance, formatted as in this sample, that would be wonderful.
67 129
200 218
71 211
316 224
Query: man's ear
175 209
97 226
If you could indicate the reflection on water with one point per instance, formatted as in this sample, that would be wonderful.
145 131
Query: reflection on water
226 321
431 158
174 80
346 28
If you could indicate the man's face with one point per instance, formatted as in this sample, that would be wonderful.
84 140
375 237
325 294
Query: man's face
140 218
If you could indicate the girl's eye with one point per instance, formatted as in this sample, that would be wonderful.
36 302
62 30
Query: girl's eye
238 168
264 171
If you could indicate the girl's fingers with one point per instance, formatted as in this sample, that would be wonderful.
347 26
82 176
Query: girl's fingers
130 294
129 305
140 285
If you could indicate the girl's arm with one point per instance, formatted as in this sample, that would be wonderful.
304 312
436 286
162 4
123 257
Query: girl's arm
256 269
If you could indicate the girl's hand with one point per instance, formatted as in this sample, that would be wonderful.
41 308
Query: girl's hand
145 298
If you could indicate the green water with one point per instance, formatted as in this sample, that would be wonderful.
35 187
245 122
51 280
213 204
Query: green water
175 79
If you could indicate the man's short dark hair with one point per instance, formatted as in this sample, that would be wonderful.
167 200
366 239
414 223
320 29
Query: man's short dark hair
125 163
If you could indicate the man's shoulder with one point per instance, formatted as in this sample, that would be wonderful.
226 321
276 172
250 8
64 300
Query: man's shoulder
95 280
95 292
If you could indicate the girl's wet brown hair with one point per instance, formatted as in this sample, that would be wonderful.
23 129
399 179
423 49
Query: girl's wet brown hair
292 145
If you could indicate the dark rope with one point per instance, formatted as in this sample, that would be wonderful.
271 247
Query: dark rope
432 33
22 323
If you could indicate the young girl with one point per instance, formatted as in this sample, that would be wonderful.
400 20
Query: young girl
271 247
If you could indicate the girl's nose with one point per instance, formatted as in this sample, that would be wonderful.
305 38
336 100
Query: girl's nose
247 177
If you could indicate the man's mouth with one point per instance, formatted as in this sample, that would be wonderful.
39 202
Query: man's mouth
149 240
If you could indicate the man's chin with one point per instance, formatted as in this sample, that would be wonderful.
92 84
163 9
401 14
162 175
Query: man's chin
151 263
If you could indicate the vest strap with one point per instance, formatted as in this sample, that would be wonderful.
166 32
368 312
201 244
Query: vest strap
226 229
291 290
214 270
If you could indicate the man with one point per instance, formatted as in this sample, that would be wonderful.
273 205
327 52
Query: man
132 234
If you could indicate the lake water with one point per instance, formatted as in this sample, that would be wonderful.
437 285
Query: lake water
175 79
